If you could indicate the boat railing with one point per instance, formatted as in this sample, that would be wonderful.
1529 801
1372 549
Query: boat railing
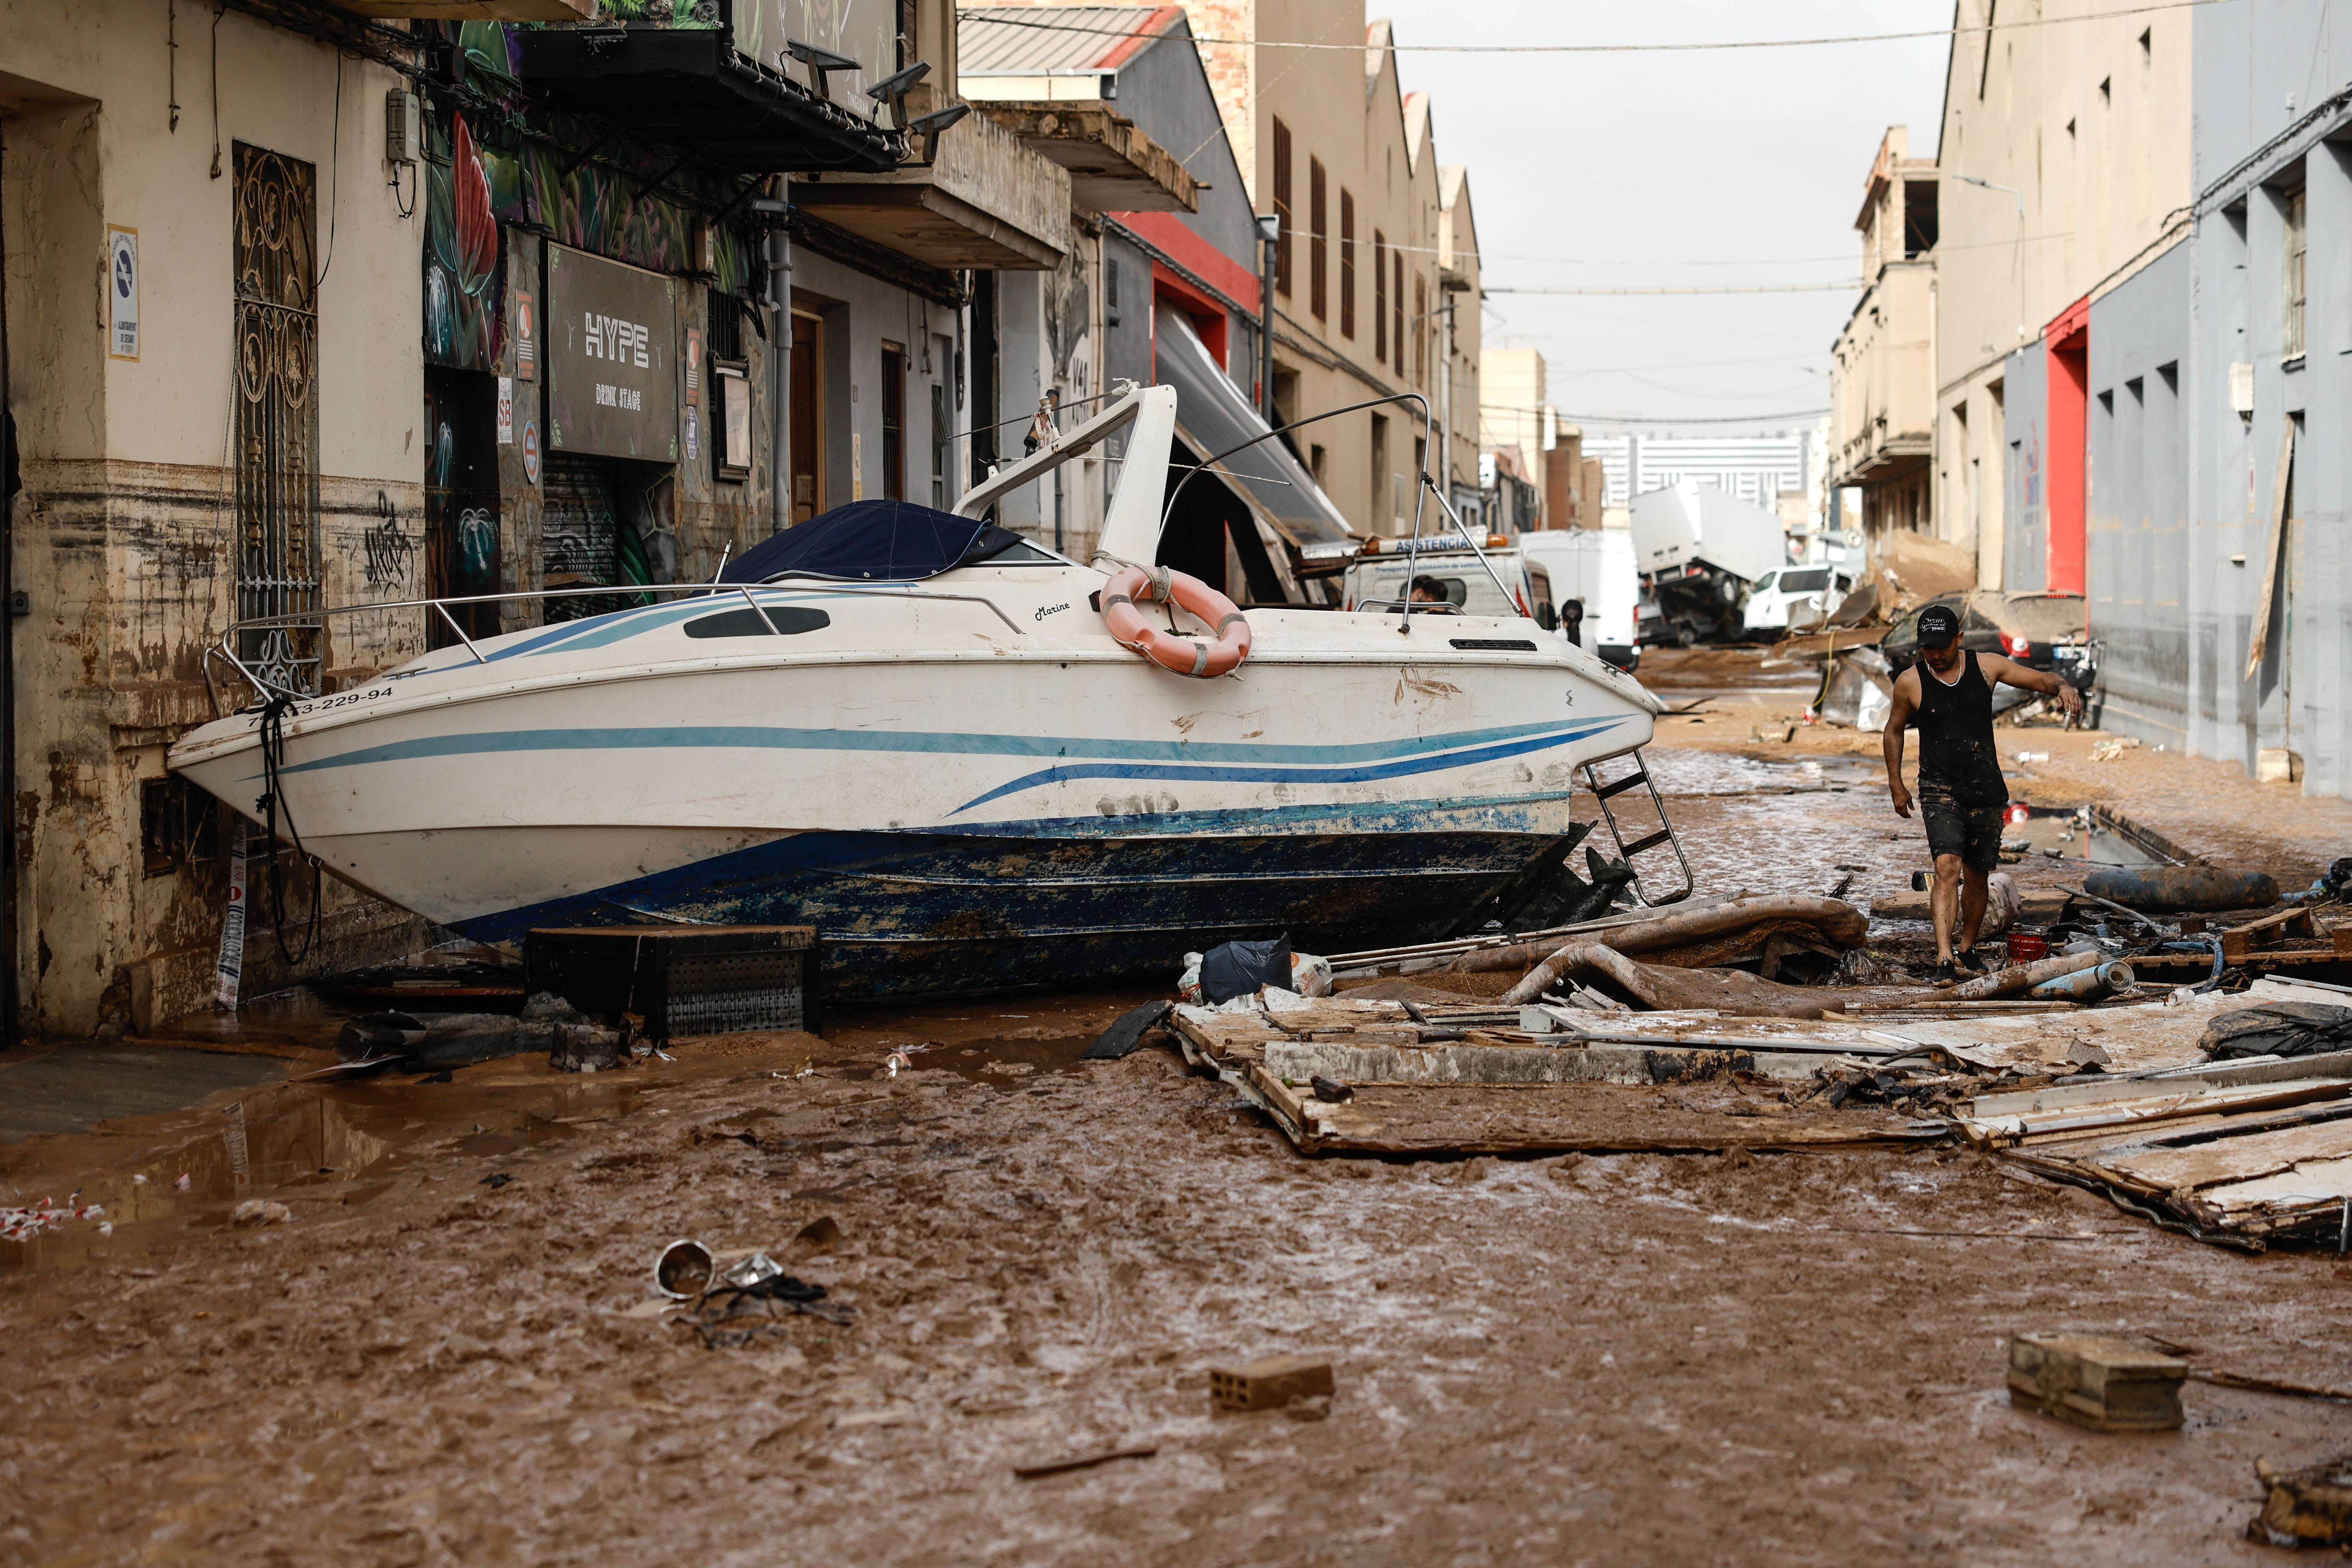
226 647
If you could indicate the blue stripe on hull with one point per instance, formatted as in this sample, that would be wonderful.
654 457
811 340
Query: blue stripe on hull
946 911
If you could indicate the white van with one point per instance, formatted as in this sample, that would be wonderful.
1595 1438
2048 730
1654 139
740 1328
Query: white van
1594 566
1378 579
1808 592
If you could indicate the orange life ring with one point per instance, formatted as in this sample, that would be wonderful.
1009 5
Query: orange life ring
1130 584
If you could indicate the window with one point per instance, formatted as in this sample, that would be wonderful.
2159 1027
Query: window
1282 208
178 825
1347 264
2294 275
1421 328
1810 580
1380 296
277 352
1110 291
1396 305
1317 225
1764 584
939 445
894 422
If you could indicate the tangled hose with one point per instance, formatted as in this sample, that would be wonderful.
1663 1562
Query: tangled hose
268 808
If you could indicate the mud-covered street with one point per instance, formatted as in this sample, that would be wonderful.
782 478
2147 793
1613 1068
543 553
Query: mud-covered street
450 1349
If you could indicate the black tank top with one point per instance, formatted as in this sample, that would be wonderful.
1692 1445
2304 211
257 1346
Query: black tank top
1956 748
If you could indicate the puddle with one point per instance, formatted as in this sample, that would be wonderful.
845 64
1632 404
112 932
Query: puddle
1005 1064
1693 772
307 1146
2071 834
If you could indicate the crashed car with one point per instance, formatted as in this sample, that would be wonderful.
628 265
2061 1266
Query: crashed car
2040 631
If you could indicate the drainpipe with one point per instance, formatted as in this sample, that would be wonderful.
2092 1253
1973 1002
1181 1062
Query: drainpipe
1269 234
1445 398
780 356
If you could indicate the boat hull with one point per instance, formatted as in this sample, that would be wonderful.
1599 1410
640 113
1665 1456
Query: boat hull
910 912
966 811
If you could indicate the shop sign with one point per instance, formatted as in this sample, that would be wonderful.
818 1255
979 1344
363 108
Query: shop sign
530 450
526 335
612 352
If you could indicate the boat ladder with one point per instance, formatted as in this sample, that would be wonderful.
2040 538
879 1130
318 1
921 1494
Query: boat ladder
1663 838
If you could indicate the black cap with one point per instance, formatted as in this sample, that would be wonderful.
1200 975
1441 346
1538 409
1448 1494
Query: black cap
1938 625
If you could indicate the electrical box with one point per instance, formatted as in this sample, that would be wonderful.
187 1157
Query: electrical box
404 128
2241 389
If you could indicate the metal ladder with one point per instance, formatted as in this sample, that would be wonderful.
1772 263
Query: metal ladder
1664 836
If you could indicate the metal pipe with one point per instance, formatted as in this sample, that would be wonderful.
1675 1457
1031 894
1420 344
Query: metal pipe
1269 236
461 633
1463 529
780 355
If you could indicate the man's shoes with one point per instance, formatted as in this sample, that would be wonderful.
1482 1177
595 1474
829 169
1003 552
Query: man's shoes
1966 959
1947 973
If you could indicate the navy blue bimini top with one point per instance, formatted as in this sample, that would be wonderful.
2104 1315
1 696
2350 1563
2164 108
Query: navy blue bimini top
873 542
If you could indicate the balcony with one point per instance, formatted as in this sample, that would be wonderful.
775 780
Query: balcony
739 90
1113 167
987 202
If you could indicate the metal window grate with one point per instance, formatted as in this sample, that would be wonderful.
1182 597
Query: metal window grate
277 433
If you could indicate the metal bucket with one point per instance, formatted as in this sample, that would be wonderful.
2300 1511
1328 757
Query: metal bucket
684 1271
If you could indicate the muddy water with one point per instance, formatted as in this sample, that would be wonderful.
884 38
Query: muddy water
1615 1360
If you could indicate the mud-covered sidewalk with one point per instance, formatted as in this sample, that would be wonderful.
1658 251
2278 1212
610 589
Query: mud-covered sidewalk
451 1350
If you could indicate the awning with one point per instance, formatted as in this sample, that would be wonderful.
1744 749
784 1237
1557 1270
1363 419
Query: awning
1213 417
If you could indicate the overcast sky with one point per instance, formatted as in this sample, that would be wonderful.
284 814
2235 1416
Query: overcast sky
1718 167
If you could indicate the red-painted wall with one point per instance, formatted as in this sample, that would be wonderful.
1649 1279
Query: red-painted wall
2068 341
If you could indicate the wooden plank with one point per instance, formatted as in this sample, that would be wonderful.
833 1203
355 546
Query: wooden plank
2227 1160
1487 1119
2317 1183
1471 1064
2279 491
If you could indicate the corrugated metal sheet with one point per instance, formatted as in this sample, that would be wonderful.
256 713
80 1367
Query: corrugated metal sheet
1029 40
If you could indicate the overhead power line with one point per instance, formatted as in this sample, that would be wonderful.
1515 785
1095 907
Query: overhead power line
1846 286
1690 419
999 20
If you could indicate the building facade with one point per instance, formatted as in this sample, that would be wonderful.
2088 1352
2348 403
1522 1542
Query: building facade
2145 302
425 322
1883 366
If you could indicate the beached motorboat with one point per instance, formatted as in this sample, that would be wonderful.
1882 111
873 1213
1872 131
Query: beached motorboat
919 736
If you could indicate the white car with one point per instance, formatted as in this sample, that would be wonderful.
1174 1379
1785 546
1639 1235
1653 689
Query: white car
1807 592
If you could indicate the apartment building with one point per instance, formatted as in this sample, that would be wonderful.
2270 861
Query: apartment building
1883 366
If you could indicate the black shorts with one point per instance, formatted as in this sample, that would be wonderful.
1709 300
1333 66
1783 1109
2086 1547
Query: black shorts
1971 832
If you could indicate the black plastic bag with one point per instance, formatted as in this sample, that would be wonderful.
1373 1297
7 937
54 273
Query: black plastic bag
2278 1029
1233 969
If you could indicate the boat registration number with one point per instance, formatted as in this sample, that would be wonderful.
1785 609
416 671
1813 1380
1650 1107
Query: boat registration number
340 699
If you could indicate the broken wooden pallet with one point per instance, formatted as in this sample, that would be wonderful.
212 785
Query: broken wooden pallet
1426 1087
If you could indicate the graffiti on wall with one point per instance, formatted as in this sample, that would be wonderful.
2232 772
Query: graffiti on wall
386 551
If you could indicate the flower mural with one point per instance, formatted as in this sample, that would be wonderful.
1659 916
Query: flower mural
463 291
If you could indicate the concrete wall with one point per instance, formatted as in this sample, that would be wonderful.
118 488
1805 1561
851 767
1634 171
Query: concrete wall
2024 461
2265 125
2136 509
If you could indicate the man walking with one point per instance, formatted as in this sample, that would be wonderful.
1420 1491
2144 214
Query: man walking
1961 794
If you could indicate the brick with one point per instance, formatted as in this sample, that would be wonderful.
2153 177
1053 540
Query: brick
2106 1384
1268 1383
